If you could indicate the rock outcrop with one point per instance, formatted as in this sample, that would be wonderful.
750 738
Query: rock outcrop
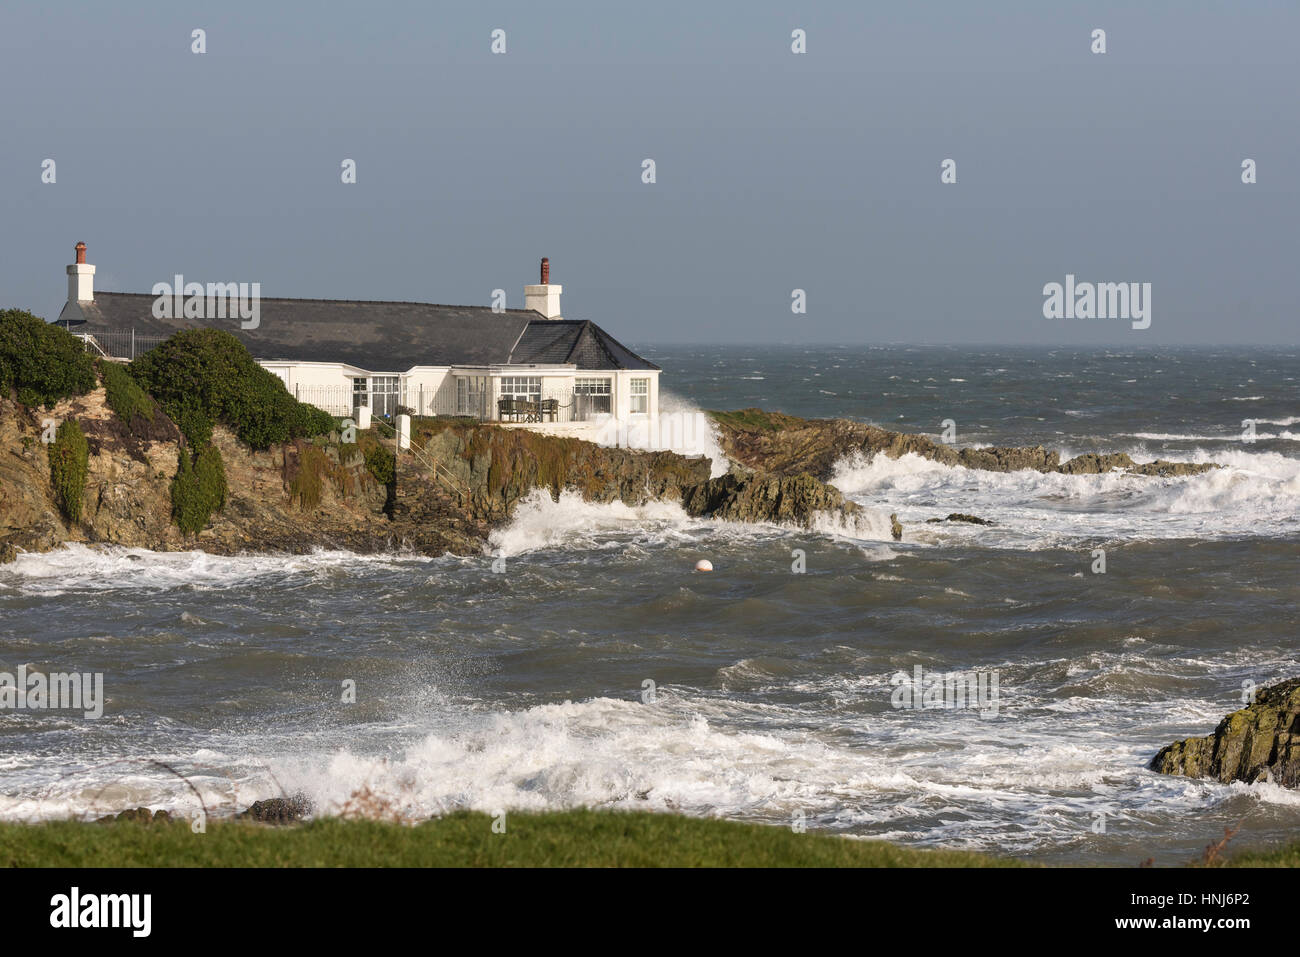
961 517
789 445
1261 742
277 810
767 497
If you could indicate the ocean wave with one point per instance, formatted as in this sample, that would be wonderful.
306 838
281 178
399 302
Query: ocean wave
1253 494
75 568
570 522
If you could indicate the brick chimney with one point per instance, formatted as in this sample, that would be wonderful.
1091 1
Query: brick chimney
544 297
81 278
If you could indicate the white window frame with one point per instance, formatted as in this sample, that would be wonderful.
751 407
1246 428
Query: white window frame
382 386
526 387
593 395
638 389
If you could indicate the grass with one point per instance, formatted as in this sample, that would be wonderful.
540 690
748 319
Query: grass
1288 856
756 420
556 839
553 839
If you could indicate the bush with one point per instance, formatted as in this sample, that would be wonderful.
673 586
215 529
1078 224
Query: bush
203 376
382 464
195 424
42 362
124 395
199 488
69 456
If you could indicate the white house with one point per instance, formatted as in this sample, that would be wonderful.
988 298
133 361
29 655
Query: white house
528 366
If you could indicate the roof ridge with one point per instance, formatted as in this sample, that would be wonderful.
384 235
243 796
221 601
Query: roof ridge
359 302
584 329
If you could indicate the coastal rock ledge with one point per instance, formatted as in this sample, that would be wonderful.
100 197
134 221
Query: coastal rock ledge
1261 742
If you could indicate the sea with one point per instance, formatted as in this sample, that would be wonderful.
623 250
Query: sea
1104 617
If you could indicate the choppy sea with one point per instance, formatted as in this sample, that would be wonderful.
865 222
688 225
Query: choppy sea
600 670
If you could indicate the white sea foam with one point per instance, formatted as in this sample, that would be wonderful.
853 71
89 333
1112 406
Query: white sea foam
1254 494
74 567
688 752
702 439
539 521
1225 437
542 522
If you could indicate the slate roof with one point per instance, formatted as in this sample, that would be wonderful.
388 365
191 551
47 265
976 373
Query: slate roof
378 336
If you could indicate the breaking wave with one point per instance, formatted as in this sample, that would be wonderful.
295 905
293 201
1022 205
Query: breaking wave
1253 494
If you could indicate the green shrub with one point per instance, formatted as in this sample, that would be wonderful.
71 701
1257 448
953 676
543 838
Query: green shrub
382 464
199 488
42 362
124 395
195 424
69 455
202 376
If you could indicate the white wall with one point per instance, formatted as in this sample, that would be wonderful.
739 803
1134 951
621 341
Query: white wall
329 385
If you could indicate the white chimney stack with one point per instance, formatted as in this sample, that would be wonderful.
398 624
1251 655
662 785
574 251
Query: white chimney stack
81 278
543 298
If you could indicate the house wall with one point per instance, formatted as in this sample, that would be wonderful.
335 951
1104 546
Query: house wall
429 390
432 390
623 398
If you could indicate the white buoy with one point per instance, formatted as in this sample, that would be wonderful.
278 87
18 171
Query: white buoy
704 565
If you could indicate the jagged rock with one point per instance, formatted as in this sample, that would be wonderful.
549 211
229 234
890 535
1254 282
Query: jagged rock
1094 464
766 497
788 445
278 810
1261 742
1165 469
1002 459
896 528
961 517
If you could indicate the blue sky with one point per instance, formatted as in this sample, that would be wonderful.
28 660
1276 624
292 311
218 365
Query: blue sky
775 171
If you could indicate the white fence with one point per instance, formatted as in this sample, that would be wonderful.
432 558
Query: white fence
546 406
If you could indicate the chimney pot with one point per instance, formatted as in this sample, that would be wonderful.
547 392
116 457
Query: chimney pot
81 253
546 270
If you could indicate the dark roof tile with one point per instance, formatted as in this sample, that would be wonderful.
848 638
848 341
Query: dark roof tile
378 336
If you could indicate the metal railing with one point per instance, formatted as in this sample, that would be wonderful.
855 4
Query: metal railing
125 346
549 405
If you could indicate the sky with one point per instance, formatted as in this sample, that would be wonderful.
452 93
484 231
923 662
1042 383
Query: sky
774 170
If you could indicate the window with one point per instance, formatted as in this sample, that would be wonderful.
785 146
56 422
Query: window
471 394
360 394
383 390
640 396
526 387
591 397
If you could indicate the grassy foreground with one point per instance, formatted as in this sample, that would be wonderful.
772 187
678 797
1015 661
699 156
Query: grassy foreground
558 839
552 839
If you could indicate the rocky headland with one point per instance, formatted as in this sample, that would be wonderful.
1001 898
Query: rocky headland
462 479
